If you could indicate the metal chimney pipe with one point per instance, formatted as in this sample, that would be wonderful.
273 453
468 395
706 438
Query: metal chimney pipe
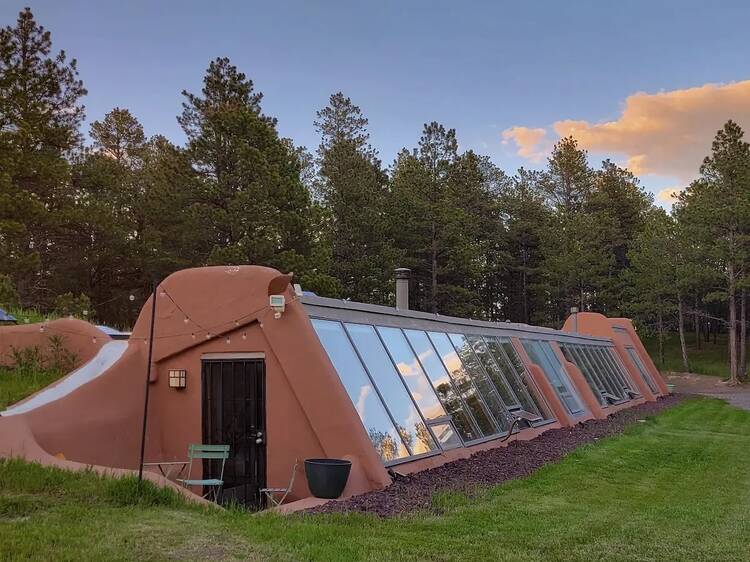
402 287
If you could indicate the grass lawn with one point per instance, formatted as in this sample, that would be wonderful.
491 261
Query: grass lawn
19 383
674 488
710 359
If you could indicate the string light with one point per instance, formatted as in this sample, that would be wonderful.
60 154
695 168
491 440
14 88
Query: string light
93 340
228 341
186 319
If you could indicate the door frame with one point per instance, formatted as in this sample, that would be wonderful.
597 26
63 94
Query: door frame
262 451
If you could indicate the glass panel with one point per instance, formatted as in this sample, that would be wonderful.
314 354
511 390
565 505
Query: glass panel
642 369
378 424
503 348
415 379
463 383
445 434
408 421
542 354
443 384
482 381
572 354
612 382
609 357
493 370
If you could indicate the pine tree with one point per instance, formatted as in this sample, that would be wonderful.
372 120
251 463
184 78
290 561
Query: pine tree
619 202
526 217
353 189
254 208
40 113
438 204
715 213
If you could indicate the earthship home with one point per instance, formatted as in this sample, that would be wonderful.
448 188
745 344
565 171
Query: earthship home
241 357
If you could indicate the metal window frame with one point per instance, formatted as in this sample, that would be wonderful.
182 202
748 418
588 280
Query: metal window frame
488 379
562 373
374 386
525 378
480 398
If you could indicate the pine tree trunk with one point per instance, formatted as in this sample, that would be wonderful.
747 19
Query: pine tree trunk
683 345
697 327
743 335
433 272
732 326
660 328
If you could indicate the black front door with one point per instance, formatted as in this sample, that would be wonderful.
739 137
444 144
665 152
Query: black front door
234 414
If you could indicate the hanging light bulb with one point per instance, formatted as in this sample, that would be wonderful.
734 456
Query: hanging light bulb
192 336
228 341
244 335
163 293
41 328
131 298
186 320
236 322
93 340
208 336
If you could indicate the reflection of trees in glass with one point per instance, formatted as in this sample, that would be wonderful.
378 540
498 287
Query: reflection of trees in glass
525 392
455 410
406 437
424 437
384 444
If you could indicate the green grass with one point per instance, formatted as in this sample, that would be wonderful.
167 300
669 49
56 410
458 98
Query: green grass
18 383
710 359
29 315
674 488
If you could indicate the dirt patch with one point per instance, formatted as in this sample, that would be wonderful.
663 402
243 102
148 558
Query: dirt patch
491 467
705 385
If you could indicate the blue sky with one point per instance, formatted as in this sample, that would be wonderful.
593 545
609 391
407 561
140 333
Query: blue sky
481 67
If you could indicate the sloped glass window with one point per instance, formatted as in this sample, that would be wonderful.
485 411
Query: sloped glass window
443 385
642 369
542 354
613 384
378 424
482 381
497 375
409 423
574 354
507 358
473 400
609 358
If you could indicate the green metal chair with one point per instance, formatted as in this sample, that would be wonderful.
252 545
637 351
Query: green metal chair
217 452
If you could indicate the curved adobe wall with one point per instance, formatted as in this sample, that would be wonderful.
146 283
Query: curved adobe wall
309 412
77 336
622 333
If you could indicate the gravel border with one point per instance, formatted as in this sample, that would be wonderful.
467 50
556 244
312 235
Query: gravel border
490 467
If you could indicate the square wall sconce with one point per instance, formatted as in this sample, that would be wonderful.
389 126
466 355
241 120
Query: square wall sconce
177 378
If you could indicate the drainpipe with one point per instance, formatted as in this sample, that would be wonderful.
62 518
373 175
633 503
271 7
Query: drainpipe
402 275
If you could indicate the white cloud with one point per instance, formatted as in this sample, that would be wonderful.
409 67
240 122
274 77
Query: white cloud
667 133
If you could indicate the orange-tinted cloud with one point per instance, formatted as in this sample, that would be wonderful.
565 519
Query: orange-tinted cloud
669 195
668 133
530 142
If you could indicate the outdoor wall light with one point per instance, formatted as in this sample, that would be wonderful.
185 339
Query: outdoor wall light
278 304
177 378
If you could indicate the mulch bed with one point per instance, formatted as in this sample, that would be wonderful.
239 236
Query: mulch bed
491 467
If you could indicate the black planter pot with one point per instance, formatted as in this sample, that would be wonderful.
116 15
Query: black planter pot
327 478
